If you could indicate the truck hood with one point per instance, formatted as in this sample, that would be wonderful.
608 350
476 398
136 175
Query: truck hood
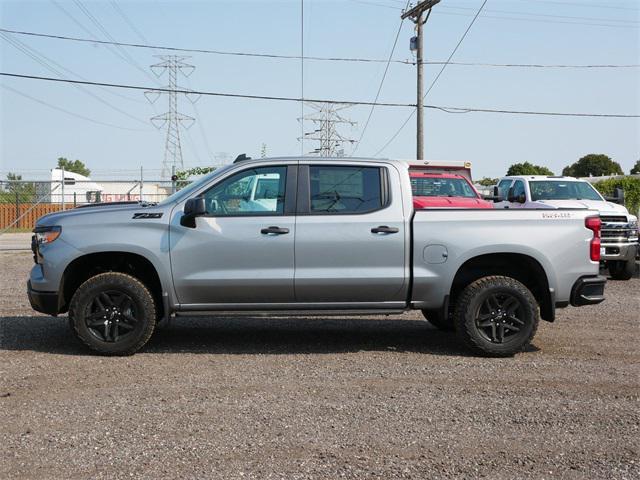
94 214
601 206
451 202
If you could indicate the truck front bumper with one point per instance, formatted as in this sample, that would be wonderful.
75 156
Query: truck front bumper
588 291
619 251
45 302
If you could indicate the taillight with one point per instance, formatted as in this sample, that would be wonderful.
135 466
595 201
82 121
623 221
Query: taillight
594 224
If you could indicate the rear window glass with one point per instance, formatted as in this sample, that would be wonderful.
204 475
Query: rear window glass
441 187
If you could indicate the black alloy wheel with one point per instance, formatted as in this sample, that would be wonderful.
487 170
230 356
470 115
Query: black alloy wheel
111 316
500 317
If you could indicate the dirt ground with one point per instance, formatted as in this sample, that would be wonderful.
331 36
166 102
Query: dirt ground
322 398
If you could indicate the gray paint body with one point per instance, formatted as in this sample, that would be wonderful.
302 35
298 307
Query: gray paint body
325 261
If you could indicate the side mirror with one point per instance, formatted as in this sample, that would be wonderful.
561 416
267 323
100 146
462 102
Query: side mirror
618 196
512 198
495 198
194 207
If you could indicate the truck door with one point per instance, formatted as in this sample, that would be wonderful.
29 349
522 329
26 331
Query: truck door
350 235
241 251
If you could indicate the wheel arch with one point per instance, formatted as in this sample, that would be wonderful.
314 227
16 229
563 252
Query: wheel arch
86 266
519 266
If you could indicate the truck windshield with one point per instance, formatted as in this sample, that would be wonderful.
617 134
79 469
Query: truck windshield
554 190
195 185
441 187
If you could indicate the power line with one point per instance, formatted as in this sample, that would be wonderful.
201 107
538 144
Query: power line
464 35
306 58
104 31
515 18
302 77
539 20
384 76
334 102
590 5
68 112
529 14
125 17
46 63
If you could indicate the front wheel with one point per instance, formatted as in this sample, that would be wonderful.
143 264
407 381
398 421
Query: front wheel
113 314
621 270
496 316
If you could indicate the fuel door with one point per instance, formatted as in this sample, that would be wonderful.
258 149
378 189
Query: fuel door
435 254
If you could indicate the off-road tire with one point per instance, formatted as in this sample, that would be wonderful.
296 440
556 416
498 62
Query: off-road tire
468 316
621 270
141 302
438 320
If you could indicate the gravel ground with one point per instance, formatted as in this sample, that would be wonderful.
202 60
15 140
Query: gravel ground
386 397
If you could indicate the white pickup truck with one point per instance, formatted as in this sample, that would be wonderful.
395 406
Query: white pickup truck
301 236
619 228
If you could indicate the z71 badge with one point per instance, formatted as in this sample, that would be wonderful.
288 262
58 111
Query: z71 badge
147 215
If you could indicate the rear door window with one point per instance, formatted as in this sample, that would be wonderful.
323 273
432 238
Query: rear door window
344 189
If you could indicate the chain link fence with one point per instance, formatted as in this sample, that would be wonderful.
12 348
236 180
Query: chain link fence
22 202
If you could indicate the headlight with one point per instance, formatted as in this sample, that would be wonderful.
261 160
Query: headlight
45 235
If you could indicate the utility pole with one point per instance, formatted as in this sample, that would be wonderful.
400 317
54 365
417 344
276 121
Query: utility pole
325 120
416 14
172 119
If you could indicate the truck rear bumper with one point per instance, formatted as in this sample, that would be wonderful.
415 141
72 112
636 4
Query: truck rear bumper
588 291
45 302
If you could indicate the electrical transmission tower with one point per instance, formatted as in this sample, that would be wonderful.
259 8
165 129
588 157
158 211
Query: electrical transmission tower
325 119
172 119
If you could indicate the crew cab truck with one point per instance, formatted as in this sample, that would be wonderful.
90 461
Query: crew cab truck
619 228
342 237
444 184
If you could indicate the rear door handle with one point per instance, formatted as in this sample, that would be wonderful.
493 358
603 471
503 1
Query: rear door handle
275 230
384 229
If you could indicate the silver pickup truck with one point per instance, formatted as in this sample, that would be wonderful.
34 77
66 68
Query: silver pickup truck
305 236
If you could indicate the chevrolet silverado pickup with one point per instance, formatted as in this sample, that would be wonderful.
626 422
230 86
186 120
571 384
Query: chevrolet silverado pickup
619 228
301 236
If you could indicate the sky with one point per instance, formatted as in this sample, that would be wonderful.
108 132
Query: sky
109 129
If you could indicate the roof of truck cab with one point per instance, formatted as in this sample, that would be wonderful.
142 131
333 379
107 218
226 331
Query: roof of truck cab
551 178
428 174
405 163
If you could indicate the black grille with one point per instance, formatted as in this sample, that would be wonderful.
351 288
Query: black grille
613 219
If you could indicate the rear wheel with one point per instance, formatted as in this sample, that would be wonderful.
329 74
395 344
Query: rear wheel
496 316
113 314
621 270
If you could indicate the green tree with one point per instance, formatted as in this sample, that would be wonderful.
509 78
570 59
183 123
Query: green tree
636 169
593 165
14 189
631 187
184 175
487 181
263 151
527 168
76 166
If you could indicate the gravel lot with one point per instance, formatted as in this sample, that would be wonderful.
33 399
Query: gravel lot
387 397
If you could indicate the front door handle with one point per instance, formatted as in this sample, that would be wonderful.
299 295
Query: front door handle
384 229
275 230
